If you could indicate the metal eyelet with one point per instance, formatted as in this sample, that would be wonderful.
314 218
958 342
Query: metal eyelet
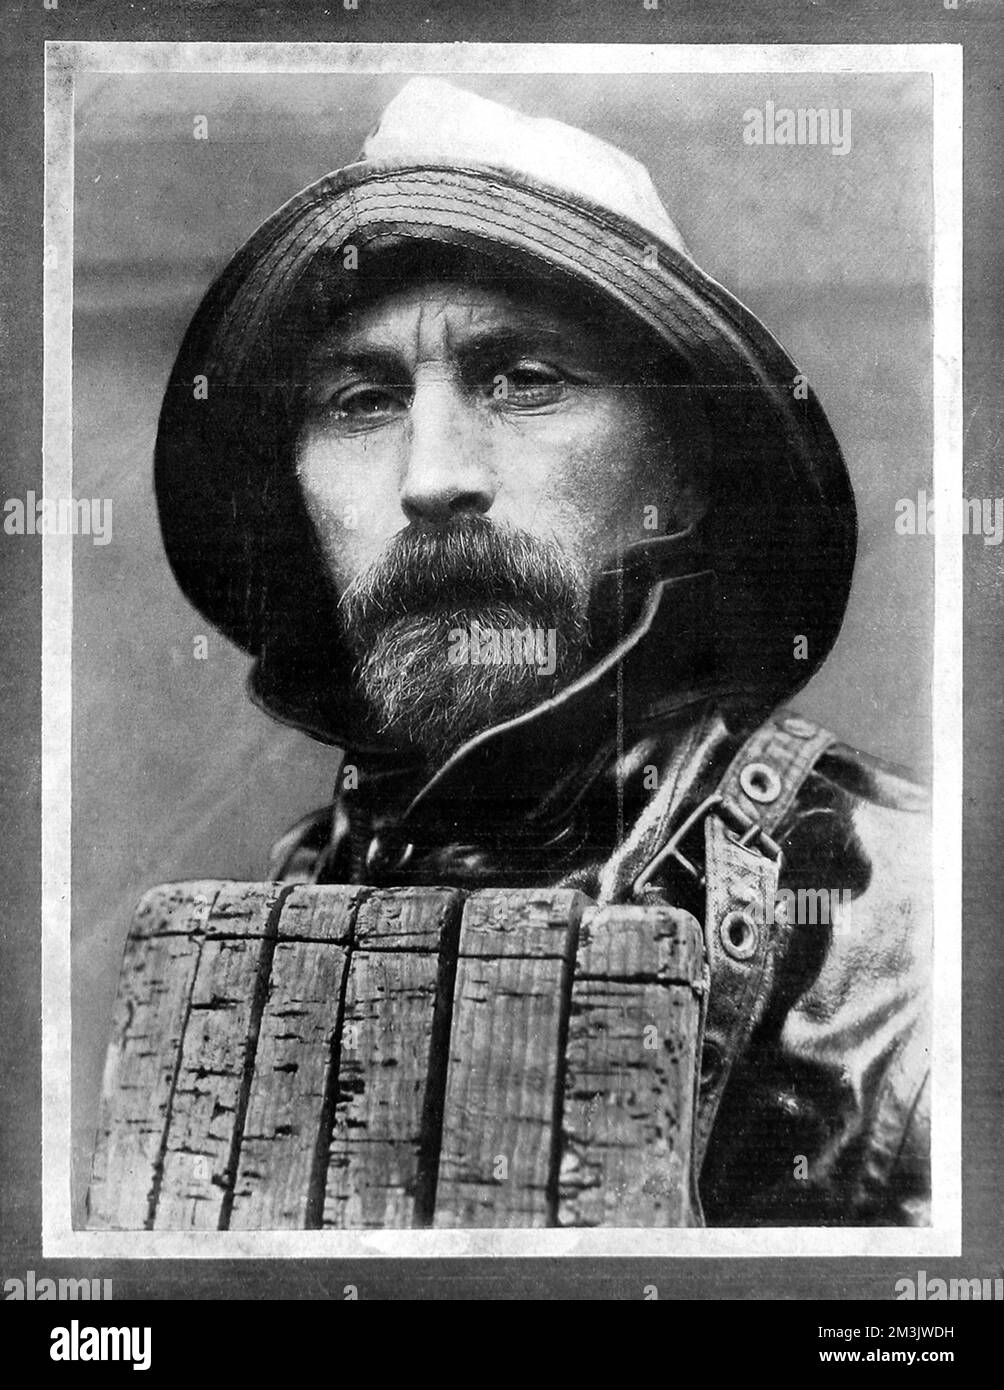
760 782
739 935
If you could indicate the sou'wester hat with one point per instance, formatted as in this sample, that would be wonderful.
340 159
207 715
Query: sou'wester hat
445 167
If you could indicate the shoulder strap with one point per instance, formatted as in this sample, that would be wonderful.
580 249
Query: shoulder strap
767 773
741 874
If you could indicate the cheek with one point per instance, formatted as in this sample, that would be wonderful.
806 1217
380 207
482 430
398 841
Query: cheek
352 500
599 490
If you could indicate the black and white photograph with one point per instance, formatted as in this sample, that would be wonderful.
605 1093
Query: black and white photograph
502 523
570 597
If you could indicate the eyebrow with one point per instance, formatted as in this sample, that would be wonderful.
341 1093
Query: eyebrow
477 350
384 363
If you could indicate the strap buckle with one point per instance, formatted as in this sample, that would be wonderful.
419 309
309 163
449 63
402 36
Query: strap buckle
750 832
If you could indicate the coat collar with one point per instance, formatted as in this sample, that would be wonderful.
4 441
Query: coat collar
520 782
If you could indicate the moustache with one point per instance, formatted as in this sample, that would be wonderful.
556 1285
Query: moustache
454 565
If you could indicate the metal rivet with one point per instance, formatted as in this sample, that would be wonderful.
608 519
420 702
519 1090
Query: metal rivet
798 728
739 935
760 782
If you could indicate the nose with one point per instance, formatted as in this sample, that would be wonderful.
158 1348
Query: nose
446 474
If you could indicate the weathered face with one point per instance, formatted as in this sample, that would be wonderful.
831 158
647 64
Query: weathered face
472 455
448 400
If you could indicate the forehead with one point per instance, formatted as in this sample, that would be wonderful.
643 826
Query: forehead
446 318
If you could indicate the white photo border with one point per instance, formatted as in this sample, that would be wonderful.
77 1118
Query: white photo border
944 63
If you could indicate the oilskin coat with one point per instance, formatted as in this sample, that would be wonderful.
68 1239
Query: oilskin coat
823 1119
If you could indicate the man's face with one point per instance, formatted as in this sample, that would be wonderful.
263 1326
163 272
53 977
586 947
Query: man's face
470 458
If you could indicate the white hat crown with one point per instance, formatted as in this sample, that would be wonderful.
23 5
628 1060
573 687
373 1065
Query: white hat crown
432 122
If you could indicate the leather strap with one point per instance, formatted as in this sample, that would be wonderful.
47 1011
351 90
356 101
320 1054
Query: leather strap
767 773
743 943
737 936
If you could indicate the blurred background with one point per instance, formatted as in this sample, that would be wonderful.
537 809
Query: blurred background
175 775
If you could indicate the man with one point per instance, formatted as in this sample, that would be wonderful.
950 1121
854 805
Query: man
517 507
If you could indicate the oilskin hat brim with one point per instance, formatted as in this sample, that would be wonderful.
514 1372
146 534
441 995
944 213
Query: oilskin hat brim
780 531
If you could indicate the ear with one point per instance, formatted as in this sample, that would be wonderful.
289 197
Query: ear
689 502
688 441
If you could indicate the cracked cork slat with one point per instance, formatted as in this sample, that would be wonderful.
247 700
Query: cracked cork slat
217 1057
381 1167
296 1054
505 1065
154 992
630 1070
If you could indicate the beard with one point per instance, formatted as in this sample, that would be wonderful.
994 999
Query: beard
462 625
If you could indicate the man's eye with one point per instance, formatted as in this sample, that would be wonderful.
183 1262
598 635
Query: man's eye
364 404
530 384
